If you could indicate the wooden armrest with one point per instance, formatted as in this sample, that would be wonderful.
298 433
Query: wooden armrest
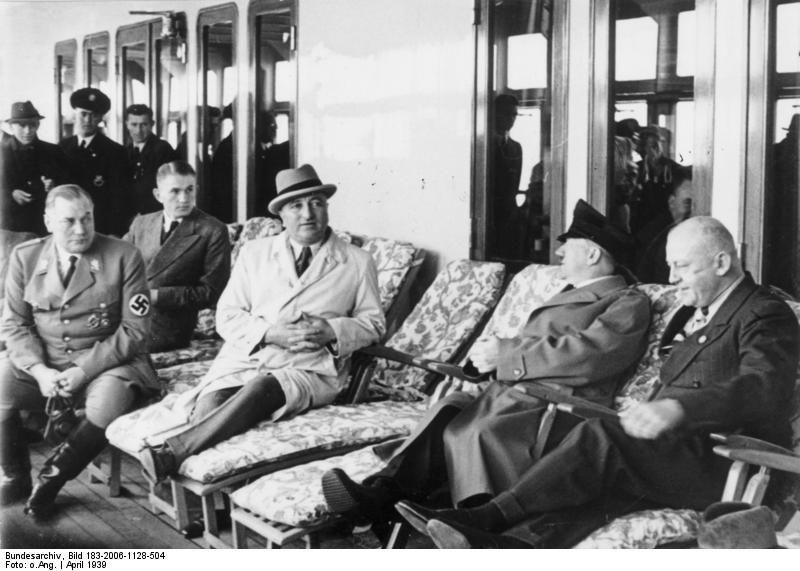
431 365
776 460
749 443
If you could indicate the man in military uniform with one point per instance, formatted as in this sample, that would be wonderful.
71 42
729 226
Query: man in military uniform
98 164
29 167
146 152
76 324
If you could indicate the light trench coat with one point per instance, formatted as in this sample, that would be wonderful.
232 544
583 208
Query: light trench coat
340 285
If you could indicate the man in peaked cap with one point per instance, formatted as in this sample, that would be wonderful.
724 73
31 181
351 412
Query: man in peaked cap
99 164
280 356
584 341
729 362
29 167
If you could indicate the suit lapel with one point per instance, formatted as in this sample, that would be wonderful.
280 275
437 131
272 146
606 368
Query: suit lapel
83 278
685 352
176 245
47 277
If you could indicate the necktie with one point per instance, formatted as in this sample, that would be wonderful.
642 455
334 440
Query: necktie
83 144
303 261
70 270
697 322
168 233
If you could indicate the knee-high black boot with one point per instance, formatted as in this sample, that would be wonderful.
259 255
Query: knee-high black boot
15 461
84 443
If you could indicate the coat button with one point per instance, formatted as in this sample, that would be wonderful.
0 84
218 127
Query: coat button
702 339
66 322
517 372
102 306
69 351
66 306
67 338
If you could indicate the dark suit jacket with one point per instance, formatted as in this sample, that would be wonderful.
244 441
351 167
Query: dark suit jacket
102 170
738 372
269 162
189 271
143 169
23 168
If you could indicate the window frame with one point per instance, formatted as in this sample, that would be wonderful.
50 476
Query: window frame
145 32
63 49
91 42
256 10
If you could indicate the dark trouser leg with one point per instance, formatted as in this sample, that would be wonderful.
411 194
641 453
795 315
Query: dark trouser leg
598 458
419 466
254 402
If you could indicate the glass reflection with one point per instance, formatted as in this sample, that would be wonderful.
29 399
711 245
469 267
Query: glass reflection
172 92
66 85
653 141
518 207
275 96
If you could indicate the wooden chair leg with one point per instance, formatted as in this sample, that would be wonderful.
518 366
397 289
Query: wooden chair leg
181 507
398 535
734 486
239 535
115 472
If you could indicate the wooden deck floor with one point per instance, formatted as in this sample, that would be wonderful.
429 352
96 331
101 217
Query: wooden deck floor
89 518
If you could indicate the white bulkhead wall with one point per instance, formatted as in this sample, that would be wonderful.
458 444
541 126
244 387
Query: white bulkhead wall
385 113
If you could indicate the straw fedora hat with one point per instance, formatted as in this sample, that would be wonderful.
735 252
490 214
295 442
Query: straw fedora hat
293 183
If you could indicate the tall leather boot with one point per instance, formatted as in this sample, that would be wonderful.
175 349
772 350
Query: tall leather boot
84 443
15 461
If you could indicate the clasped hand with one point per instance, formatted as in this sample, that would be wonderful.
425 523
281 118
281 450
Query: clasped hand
307 334
63 383
649 420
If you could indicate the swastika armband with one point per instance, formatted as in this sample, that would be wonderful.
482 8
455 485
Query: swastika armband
139 305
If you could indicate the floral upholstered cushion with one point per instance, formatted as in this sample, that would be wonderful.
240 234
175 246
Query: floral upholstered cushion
128 432
644 530
294 496
256 227
181 378
663 303
234 229
439 325
198 350
320 429
392 260
528 290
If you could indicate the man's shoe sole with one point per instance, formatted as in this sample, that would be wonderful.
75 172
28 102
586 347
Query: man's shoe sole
337 496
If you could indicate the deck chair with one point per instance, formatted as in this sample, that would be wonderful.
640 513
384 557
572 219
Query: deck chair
288 505
397 264
440 326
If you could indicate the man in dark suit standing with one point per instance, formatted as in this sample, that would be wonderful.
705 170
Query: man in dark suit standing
98 164
730 363
29 168
146 152
187 255
271 158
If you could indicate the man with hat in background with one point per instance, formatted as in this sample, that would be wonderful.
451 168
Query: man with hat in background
145 151
583 341
29 167
296 307
99 164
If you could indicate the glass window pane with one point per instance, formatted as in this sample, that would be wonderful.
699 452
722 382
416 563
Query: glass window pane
134 59
98 68
684 132
275 98
785 110
686 43
527 61
517 204
173 93
787 57
637 49
218 149
66 85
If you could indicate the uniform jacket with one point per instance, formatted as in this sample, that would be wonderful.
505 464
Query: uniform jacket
23 168
143 170
189 271
101 169
570 334
101 322
340 285
737 372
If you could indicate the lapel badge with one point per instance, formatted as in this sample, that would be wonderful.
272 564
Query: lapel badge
105 322
99 180
94 265
93 322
